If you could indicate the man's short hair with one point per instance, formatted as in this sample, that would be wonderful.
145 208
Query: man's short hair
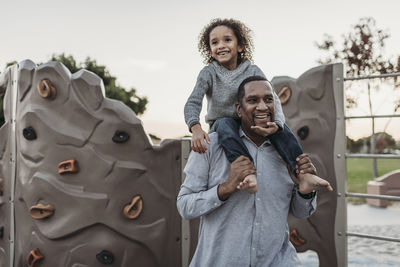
240 93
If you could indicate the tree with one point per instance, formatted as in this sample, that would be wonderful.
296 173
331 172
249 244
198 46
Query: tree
112 89
362 54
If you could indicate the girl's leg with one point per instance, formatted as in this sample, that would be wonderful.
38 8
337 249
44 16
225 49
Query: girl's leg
229 139
287 146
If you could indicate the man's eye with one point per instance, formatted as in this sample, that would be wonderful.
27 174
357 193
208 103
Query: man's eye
269 100
251 100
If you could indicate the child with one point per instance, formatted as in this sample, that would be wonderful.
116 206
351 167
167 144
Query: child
226 46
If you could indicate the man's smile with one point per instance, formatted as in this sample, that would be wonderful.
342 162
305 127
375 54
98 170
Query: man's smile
263 117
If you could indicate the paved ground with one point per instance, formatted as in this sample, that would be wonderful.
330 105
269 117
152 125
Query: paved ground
367 252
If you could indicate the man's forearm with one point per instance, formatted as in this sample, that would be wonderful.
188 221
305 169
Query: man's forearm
195 204
225 190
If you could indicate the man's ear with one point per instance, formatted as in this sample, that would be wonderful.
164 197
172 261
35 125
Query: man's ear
238 110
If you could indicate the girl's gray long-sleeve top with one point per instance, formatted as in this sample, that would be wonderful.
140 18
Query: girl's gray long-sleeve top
220 86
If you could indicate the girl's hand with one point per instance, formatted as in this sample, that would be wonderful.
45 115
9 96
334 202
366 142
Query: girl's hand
271 129
198 135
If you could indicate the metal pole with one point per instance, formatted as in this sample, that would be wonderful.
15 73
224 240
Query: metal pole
373 139
371 156
386 75
391 239
13 157
339 164
374 116
185 150
360 195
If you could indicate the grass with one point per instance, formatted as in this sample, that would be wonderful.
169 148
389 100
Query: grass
359 172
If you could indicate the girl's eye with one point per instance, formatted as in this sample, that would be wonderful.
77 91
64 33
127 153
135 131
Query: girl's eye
228 39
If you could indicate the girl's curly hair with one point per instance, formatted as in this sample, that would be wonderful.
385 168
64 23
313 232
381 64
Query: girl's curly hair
241 31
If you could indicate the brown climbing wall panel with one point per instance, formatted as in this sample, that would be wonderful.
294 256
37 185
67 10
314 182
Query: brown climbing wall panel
309 107
90 189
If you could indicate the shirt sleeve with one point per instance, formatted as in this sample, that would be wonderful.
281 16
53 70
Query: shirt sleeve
279 116
195 101
195 198
301 207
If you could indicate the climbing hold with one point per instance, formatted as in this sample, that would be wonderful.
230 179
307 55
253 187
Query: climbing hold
120 137
296 239
133 210
46 89
284 95
29 133
303 132
34 256
1 231
1 186
68 166
41 211
105 257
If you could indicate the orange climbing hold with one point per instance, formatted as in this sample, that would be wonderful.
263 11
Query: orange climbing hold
34 256
46 89
296 239
41 211
68 166
133 210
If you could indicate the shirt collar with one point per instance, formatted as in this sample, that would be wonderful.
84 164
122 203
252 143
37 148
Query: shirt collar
243 135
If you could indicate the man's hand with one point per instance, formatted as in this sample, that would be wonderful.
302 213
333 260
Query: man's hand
307 179
240 168
198 136
270 129
304 165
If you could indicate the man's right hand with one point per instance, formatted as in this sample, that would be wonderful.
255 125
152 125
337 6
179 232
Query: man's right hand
240 168
198 136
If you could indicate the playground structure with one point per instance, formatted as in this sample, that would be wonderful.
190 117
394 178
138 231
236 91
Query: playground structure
82 185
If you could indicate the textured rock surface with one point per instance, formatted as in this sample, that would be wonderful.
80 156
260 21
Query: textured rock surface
87 226
311 115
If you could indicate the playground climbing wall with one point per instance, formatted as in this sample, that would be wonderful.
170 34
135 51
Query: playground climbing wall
81 185
310 106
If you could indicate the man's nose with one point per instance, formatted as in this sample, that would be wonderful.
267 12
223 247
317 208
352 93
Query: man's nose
262 106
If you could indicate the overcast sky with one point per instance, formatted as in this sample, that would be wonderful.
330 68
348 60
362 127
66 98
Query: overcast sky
152 45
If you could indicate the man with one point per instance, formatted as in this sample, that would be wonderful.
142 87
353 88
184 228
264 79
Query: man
238 228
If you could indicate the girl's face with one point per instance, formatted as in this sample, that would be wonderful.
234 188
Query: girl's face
224 47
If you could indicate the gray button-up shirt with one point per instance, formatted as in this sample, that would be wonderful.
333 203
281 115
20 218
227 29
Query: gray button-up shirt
247 229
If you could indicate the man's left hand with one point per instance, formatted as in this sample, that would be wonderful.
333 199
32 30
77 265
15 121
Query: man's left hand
271 128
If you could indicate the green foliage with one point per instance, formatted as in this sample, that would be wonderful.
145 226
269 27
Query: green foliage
112 89
384 139
359 172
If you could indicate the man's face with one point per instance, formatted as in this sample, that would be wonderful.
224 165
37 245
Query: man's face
257 106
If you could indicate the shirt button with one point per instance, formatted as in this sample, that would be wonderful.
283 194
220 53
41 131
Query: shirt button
258 199
256 224
215 204
254 248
